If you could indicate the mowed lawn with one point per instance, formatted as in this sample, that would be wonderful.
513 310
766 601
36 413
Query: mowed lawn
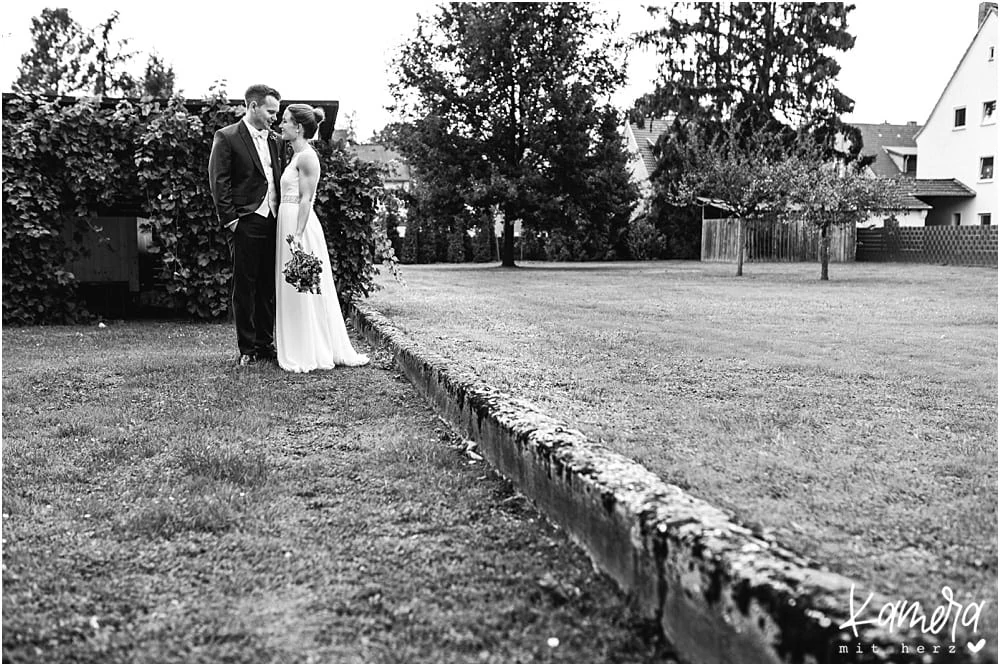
162 506
855 420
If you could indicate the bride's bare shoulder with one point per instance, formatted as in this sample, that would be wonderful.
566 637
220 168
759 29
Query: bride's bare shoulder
308 159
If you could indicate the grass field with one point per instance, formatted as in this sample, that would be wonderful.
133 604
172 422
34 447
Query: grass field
855 420
160 505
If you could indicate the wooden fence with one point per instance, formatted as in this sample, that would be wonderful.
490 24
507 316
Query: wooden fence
969 246
773 241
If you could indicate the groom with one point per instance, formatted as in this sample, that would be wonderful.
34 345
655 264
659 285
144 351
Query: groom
244 174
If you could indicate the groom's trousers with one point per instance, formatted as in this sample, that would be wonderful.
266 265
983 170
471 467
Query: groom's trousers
253 283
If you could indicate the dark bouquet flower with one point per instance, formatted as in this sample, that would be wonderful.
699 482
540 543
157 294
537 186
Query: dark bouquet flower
302 270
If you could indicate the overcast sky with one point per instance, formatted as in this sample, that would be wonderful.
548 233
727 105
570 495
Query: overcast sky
905 52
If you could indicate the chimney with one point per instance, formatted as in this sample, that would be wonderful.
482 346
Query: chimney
984 10
911 123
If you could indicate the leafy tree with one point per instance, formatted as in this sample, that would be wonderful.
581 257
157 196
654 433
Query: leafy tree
158 80
747 174
65 59
760 176
827 195
56 62
437 206
503 102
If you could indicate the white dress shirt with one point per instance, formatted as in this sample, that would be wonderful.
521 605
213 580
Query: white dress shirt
270 203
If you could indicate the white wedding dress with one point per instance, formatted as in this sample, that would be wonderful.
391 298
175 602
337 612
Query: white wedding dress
309 329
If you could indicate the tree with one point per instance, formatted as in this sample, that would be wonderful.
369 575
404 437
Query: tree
107 71
826 195
757 61
158 80
747 173
56 62
763 69
608 193
503 105
65 59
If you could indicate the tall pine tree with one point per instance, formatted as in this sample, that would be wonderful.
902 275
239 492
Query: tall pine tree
761 62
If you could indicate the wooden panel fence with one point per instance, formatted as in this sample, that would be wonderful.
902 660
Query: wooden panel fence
968 246
773 241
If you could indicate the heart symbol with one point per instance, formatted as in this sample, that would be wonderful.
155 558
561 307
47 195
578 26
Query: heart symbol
977 647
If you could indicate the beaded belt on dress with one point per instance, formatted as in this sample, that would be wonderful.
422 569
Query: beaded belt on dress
289 198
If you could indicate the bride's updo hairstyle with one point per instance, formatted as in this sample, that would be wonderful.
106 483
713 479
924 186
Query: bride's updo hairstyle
310 118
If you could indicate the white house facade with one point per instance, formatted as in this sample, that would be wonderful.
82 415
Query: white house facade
959 140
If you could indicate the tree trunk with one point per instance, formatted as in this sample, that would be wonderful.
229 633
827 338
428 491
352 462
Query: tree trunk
507 260
824 253
739 247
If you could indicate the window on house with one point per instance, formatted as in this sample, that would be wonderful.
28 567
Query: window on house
991 51
910 164
960 117
986 168
956 219
989 111
985 219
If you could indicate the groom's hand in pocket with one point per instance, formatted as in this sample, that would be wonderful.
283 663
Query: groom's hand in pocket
231 236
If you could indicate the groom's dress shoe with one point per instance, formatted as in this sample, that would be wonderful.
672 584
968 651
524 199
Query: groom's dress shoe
245 360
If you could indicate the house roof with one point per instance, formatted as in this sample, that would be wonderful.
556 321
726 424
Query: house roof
990 11
399 170
880 139
646 134
940 187
909 202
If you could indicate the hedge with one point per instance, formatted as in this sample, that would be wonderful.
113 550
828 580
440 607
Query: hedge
67 161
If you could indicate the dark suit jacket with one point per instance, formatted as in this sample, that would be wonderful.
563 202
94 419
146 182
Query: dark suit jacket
236 174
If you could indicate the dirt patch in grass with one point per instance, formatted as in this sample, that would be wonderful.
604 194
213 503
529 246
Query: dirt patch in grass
160 505
855 420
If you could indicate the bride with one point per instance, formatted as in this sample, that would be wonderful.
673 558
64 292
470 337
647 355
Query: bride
309 330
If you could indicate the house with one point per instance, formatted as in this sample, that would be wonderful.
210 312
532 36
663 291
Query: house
957 144
893 150
641 139
397 176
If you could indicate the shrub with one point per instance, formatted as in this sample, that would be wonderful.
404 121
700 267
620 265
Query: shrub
171 159
352 205
65 162
644 241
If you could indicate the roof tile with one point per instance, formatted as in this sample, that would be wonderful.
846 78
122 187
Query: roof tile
877 138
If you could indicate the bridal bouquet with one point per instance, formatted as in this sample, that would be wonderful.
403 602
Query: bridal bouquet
303 269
